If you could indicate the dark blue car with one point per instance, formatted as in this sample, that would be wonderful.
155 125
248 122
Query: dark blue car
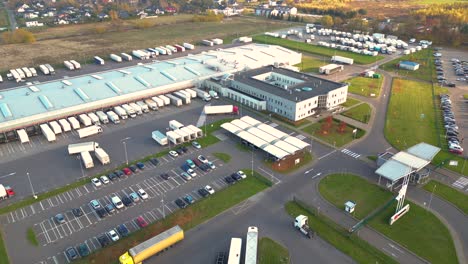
140 165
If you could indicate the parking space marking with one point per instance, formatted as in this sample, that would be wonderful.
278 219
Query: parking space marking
170 210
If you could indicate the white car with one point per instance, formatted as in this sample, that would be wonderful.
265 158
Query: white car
202 159
211 164
191 172
113 235
173 153
242 174
117 202
209 189
142 194
104 179
96 182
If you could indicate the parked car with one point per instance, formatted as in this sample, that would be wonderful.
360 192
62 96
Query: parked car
77 212
203 192
123 230
101 212
59 219
135 198
185 176
184 149
165 176
456 149
209 189
95 204
110 208
71 253
179 202
205 167
140 165
126 201
104 179
119 173
141 222
133 168
236 176
96 182
241 174
211 165
180 151
142 194
173 153
191 172
190 163
117 202
202 159
189 199
83 250
154 161
196 145
103 240
127 171
229 180
197 162
112 176
113 235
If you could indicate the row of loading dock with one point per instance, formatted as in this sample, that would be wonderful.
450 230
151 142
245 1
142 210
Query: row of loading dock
185 134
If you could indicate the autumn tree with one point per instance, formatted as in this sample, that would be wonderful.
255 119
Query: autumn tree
327 21
18 36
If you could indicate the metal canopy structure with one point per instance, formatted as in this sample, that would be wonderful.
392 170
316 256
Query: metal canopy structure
404 163
273 141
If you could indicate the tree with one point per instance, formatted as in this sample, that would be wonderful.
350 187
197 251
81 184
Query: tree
362 12
18 36
327 21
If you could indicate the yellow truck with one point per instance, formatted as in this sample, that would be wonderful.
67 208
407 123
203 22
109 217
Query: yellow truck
152 246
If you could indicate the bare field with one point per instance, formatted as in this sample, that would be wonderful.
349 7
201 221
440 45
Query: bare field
83 46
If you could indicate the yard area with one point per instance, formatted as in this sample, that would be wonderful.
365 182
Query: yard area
72 43
270 252
449 194
187 218
426 69
365 86
419 230
350 102
311 64
331 132
314 49
361 113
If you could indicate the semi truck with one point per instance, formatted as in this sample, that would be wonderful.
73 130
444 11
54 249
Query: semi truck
129 110
55 127
152 246
165 99
301 223
50 68
174 125
251 245
113 117
65 125
26 72
174 100
76 64
120 111
69 65
137 108
89 131
158 101
343 60
221 109
81 147
33 72
126 56
144 107
102 117
86 159
172 48
179 48
160 51
21 73
202 94
330 69
185 98
207 42
48 133
159 137
98 60
94 118
217 41
6 192
102 156
116 58
85 120
151 104
188 46
213 94
192 93
138 54
22 135
44 69
74 122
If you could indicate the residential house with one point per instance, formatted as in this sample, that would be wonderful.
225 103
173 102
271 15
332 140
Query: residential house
22 8
275 11
61 22
30 15
170 9
34 24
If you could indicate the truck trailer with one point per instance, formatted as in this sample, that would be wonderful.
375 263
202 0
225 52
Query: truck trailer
55 127
76 64
126 56
221 109
151 104
202 94
48 133
21 73
129 110
44 69
152 246
174 100
139 55
207 42
115 58
89 131
121 112
113 117
330 69
85 120
192 93
159 137
98 60
102 156
185 98
179 48
102 117
74 122
188 46
86 159
27 72
343 60
50 68
69 65
22 135
165 99
144 107
94 118
33 72
174 125
6 192
65 125
137 108
81 147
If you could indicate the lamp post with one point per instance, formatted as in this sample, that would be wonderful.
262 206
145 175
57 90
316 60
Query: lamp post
30 183
430 199
124 142
81 166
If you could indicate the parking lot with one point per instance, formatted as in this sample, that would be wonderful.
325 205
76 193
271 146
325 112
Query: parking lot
449 72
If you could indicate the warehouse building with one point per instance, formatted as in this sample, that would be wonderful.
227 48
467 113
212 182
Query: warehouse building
408 65
31 105
287 93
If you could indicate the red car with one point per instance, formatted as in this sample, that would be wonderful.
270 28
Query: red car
127 171
141 222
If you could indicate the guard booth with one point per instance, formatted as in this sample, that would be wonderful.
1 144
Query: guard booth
349 206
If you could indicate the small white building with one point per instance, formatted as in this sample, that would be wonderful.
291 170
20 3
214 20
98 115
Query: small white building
34 24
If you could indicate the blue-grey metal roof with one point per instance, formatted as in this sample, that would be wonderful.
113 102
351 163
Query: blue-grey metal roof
410 63
393 170
424 151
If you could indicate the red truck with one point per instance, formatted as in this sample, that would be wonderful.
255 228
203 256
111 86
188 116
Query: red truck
6 192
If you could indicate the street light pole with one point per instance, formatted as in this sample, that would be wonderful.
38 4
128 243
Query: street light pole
162 205
252 162
125 148
30 183
430 199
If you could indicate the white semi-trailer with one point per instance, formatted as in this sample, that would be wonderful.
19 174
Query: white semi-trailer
102 156
87 159
151 104
192 93
158 101
174 100
121 112
202 94
65 125
184 97
51 69
27 72
159 137
82 147
165 99
188 46
207 43
341 59
144 107
48 133
21 73
33 72
174 125
76 64
23 136
113 117
116 58
55 127
126 56
129 110
44 69
74 122
94 118
102 117
220 109
85 120
89 131
69 65
137 108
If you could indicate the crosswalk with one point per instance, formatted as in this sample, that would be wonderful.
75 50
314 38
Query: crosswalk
461 183
350 153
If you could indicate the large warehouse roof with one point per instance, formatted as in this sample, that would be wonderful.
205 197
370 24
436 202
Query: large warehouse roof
41 102
263 136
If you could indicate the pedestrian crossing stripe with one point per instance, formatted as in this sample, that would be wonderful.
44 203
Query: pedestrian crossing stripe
350 153
461 183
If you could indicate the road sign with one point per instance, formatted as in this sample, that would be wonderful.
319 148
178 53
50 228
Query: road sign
399 214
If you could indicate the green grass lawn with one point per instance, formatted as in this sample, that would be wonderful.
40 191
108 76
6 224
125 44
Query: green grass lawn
365 86
31 236
331 135
201 211
337 236
350 102
270 252
310 64
222 156
449 194
3 252
419 230
425 59
314 49
465 96
361 113
208 137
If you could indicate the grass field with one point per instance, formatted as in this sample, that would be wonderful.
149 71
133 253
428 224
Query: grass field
3 17
187 218
314 49
337 236
310 64
419 230
465 96
350 102
3 252
82 46
449 194
365 86
426 69
333 137
223 156
270 252
31 236
361 113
